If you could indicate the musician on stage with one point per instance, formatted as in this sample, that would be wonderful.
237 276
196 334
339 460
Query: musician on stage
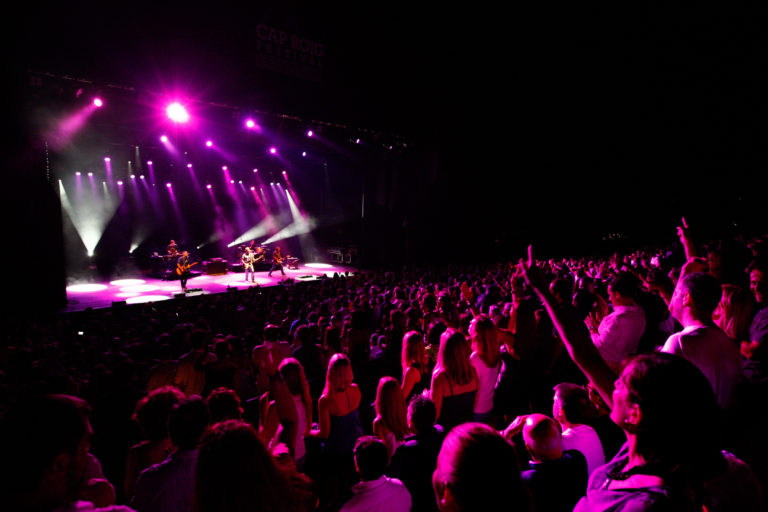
173 249
248 260
182 267
277 262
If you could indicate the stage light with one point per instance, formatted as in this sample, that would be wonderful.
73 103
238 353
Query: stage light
133 176
273 150
98 103
177 112
223 167
189 166
240 182
168 185
303 153
90 174
357 141
208 187
253 188
77 173
232 182
284 173
309 133
119 183
149 163
209 143
107 159
163 139
255 170
250 123
141 177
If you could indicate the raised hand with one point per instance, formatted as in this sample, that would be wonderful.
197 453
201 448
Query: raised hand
531 272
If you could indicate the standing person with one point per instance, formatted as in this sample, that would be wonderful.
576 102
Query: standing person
277 262
486 360
390 424
182 268
414 364
454 381
247 260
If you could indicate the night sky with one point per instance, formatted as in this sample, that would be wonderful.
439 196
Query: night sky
527 124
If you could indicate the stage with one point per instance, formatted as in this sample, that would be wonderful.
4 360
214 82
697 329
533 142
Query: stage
144 289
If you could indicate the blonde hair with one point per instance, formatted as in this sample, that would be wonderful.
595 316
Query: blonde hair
453 356
339 375
390 407
486 341
413 350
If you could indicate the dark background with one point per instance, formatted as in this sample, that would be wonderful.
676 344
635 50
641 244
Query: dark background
523 124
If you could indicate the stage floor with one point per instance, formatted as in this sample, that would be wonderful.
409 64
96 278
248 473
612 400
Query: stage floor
145 289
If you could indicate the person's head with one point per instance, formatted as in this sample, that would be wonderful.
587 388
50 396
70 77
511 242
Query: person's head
453 356
542 438
292 373
669 406
562 289
758 281
234 472
271 332
571 405
477 469
303 335
422 414
696 295
390 406
152 411
413 352
485 340
187 423
185 253
339 375
623 288
44 444
371 458
222 349
224 404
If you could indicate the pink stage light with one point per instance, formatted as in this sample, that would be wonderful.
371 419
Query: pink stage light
189 166
77 173
273 150
303 153
177 112
163 139
255 170
284 173
168 185
119 183
133 176
223 167
310 133
208 187
232 182
250 124
253 188
107 159
141 177
90 174
149 163
98 103
209 143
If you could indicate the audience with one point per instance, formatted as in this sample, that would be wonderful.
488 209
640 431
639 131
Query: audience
573 411
663 441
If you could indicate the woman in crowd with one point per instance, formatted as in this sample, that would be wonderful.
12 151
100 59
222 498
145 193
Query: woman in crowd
486 360
292 374
454 381
414 365
390 424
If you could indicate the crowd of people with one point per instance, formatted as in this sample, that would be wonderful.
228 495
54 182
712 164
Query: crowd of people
625 382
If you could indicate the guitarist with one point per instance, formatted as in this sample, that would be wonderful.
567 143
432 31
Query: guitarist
248 260
277 262
182 268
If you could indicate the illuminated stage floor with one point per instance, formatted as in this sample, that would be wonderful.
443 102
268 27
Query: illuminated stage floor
144 289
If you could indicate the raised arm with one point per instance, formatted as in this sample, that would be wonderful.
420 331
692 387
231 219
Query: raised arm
573 333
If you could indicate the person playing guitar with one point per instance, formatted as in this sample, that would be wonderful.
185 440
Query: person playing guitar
277 262
248 261
182 269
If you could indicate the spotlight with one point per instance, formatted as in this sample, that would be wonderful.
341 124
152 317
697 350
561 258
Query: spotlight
284 173
168 185
133 176
141 177
253 188
255 170
163 139
189 166
120 183
98 103
310 133
208 187
240 182
177 112
150 162
273 150
303 153
357 141
90 174
223 167
209 143
232 182
250 123
77 173
107 159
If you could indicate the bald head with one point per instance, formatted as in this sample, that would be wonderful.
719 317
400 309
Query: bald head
542 438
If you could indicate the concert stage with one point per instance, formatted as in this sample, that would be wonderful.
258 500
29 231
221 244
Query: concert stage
146 289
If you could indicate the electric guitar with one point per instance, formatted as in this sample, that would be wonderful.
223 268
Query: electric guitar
180 269
248 262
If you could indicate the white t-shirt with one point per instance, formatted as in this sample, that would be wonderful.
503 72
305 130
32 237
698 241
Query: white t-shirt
584 439
714 353
619 334
381 495
486 383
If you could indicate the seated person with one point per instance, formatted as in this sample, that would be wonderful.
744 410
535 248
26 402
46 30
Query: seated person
376 492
